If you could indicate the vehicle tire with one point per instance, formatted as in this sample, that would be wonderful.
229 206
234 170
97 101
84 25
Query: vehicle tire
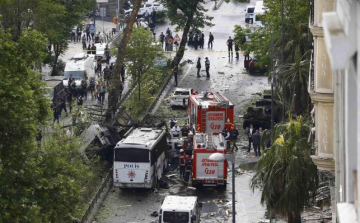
246 20
222 187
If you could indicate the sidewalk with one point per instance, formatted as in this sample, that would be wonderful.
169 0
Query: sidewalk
89 105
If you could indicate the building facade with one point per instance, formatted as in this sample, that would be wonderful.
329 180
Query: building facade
321 90
341 34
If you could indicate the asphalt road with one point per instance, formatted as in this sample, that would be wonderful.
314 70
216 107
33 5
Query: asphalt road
228 77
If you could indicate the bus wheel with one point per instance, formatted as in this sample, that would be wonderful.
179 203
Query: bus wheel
222 187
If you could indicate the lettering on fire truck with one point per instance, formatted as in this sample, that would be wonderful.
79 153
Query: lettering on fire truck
131 165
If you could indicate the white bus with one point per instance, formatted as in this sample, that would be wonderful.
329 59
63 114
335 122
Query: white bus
140 158
259 13
178 209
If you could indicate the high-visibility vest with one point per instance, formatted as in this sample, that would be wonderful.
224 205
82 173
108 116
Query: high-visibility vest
182 160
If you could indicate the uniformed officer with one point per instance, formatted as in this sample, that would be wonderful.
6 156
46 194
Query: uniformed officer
182 163
187 169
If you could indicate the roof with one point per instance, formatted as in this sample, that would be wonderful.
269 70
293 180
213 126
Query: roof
179 203
212 98
75 65
142 136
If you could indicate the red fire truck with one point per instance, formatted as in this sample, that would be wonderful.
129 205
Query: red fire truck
210 112
207 172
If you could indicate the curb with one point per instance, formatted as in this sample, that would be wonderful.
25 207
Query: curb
217 5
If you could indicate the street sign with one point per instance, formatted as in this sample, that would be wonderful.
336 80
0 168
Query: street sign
103 12
177 38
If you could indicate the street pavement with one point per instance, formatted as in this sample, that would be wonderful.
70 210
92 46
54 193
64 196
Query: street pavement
227 76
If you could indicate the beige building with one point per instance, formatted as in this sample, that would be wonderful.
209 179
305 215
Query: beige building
335 91
321 89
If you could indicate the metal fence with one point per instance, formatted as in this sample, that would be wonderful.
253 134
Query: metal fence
104 184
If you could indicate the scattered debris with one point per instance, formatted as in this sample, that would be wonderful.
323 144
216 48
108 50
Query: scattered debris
155 214
219 72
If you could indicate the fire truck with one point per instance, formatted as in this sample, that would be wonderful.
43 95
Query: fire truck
210 112
207 172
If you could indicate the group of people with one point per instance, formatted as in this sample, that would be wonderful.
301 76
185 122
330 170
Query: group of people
230 137
207 67
254 139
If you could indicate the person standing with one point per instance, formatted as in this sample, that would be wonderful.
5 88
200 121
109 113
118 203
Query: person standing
198 66
237 49
229 43
207 66
196 41
107 54
83 41
191 38
102 93
187 169
202 40
176 69
69 99
146 15
56 113
182 163
256 143
211 40
88 32
250 133
62 105
78 33
89 49
162 39
173 121
234 133
93 49
73 34
92 87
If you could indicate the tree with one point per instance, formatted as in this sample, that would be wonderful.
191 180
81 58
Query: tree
141 53
35 187
285 172
54 18
186 14
291 53
113 97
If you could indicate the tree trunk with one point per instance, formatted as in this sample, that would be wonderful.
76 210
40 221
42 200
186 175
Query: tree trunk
57 52
181 51
113 98
139 81
294 217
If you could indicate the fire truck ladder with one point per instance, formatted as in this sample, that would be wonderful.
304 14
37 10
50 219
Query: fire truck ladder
203 120
223 102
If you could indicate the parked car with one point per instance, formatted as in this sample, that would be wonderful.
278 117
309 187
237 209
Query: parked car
180 96
146 7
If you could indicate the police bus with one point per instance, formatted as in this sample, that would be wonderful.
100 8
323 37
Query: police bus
140 158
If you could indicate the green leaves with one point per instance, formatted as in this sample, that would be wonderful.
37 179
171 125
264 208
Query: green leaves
285 172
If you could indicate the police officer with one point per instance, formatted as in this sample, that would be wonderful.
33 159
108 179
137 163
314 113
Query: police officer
182 163
198 66
229 43
207 66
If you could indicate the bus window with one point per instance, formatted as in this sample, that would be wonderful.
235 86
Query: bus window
131 155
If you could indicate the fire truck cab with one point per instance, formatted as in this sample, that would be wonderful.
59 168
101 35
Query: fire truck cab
207 172
210 112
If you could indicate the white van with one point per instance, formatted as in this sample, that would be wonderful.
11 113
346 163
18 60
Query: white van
249 15
259 12
146 7
178 209
81 66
